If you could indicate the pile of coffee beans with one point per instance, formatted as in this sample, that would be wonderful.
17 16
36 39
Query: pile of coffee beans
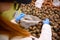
45 12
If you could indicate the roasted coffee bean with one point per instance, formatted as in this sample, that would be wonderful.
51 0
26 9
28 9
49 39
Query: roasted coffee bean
45 12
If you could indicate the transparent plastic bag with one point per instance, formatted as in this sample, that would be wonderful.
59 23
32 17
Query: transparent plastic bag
29 20
25 20
38 3
56 2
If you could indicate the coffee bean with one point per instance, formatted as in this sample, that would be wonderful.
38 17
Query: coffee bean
46 11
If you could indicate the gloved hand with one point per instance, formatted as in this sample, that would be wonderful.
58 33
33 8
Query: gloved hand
19 17
27 20
46 21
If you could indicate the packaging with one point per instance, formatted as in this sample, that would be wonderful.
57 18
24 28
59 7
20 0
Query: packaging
25 20
29 20
38 3
56 2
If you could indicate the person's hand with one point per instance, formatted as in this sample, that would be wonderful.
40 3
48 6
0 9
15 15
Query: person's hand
46 21
19 17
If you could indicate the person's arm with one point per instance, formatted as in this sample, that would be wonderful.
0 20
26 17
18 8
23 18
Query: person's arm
46 31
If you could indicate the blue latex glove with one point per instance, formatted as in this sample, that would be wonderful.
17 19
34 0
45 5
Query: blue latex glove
46 21
20 16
